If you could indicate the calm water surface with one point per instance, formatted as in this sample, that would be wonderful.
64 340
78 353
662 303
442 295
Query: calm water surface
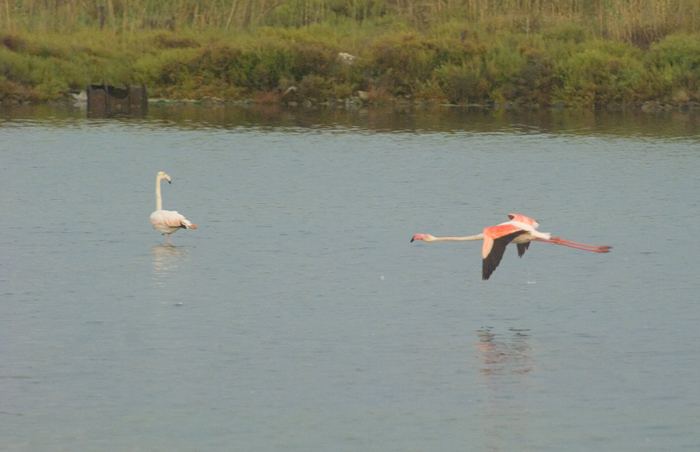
298 317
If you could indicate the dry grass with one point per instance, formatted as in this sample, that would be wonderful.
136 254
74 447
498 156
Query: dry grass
636 21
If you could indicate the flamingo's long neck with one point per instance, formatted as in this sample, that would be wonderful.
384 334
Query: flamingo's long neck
159 200
455 239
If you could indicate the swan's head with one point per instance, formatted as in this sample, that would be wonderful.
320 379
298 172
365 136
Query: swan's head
162 175
424 237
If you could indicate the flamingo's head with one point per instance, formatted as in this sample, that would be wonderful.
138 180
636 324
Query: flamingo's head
162 175
425 237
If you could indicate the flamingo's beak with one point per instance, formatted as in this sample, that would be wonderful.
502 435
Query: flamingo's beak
417 237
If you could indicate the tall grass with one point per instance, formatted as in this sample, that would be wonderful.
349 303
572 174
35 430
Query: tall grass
637 21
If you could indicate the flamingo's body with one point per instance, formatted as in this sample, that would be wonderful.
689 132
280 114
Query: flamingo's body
167 221
520 230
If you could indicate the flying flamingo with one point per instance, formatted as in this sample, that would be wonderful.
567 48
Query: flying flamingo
520 230
167 221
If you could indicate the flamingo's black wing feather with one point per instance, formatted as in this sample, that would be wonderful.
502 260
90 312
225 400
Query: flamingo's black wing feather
522 247
491 261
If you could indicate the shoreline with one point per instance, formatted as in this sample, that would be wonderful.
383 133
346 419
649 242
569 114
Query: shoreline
79 101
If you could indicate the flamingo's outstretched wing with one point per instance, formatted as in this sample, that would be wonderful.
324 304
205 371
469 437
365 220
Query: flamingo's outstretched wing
493 250
523 219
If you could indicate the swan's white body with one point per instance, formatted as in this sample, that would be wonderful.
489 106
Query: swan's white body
167 221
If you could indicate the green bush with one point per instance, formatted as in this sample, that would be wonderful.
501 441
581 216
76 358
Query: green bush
463 83
398 64
674 66
446 55
602 73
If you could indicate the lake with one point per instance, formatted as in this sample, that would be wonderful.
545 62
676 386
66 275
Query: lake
299 317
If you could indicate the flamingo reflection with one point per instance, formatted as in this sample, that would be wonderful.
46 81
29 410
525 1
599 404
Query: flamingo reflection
505 356
507 359
166 259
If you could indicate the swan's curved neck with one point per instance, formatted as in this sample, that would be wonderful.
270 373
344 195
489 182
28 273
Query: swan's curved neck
159 200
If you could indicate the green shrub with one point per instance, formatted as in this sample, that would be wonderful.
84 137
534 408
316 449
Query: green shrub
674 64
463 83
463 56
398 64
600 74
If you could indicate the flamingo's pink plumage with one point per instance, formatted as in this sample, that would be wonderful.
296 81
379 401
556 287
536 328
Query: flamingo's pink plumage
520 230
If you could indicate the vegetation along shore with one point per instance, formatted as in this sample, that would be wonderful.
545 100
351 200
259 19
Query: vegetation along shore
578 53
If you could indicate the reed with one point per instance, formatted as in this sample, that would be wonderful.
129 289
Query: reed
637 21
